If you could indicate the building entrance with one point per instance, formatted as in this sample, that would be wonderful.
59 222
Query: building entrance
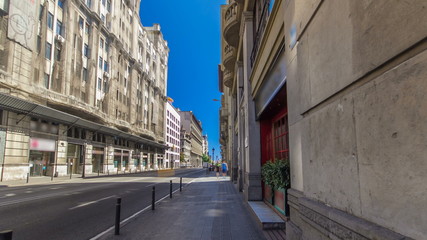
75 159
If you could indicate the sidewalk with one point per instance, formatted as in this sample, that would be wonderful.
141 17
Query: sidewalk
208 208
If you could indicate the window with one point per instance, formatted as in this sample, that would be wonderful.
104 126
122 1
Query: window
99 83
57 54
87 28
50 20
103 3
89 3
41 12
61 3
46 80
109 5
106 66
48 51
39 44
81 22
59 27
84 74
105 87
86 50
107 47
100 62
103 18
101 43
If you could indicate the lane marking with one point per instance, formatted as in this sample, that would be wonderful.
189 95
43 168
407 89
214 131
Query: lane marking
122 223
91 202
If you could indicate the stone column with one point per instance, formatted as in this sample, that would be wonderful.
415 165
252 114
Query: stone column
252 183
156 161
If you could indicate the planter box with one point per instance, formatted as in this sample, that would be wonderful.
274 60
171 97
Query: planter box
268 194
280 201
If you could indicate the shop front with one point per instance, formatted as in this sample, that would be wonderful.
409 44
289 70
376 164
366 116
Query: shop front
42 157
136 159
75 158
98 159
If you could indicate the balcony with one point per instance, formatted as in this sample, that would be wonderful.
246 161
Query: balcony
228 78
229 57
224 114
232 18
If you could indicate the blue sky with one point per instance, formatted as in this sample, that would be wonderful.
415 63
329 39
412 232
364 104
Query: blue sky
192 29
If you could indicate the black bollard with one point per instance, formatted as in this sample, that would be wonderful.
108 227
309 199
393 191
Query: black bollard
170 189
117 224
180 184
117 171
28 177
153 198
98 172
6 235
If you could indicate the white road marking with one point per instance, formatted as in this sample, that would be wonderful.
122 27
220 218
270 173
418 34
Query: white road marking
10 195
92 202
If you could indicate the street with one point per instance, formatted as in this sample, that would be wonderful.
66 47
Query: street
83 209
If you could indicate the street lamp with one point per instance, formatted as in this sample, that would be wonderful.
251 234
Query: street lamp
213 154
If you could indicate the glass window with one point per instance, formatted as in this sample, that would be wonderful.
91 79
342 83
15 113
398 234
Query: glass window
105 87
86 50
59 27
87 28
41 12
81 22
109 5
84 74
103 3
99 83
57 54
50 20
46 80
48 50
101 43
61 3
100 62
106 66
89 3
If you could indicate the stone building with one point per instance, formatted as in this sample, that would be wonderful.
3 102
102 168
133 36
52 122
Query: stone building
193 128
337 88
82 88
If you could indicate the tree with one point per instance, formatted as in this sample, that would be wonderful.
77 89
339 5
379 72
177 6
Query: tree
181 157
206 158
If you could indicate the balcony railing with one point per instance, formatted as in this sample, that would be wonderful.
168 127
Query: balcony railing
228 78
260 31
229 57
232 24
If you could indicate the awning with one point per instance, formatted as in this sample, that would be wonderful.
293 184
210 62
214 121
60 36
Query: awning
18 105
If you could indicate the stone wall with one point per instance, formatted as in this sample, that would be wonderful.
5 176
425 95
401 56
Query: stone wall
356 84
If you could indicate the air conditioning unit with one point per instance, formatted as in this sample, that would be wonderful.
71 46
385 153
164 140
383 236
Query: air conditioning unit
60 38
106 75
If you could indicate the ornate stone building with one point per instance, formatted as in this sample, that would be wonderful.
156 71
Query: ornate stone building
82 88
336 87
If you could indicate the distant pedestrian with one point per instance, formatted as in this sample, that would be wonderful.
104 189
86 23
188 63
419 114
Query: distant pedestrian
224 168
217 170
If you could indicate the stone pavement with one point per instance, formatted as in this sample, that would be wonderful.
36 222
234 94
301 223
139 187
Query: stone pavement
208 208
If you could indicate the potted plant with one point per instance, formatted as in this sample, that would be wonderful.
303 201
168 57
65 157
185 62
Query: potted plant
276 177
267 173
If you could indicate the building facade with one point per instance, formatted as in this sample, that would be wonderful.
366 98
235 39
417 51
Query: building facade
205 145
173 137
82 88
337 89
193 128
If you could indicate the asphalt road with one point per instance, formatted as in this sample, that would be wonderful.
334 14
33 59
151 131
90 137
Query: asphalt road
83 209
